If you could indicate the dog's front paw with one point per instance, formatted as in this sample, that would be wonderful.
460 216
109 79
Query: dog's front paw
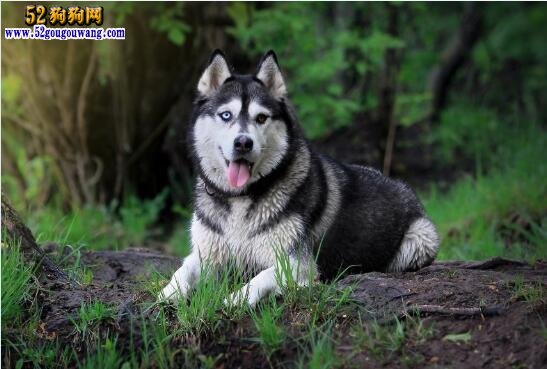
235 299
174 291
245 296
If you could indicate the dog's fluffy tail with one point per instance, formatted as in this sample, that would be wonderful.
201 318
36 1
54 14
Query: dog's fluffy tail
418 248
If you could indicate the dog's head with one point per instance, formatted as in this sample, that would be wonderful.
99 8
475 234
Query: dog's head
241 129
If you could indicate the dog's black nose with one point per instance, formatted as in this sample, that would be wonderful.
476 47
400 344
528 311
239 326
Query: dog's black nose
243 144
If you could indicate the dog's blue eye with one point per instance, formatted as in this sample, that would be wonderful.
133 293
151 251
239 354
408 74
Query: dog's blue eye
226 116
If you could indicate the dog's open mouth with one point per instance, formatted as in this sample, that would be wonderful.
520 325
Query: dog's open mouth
239 172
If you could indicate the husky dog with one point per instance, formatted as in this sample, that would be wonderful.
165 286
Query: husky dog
261 190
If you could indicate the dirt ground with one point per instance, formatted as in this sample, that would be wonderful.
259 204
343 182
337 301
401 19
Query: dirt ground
505 325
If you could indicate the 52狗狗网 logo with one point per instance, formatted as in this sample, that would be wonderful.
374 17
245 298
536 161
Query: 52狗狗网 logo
58 15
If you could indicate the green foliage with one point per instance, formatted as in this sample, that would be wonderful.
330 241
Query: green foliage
314 61
15 284
202 311
86 275
321 353
137 216
170 22
209 362
266 319
164 18
154 282
324 300
518 38
98 227
89 315
476 213
106 356
385 340
179 243
471 132
121 10
161 342
382 339
12 85
532 293
50 355
28 190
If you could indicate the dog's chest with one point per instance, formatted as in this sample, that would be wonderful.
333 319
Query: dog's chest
256 231
238 224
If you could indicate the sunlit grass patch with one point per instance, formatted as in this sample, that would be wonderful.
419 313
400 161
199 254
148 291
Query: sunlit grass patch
98 227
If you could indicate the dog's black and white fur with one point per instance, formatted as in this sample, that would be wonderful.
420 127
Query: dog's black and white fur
262 189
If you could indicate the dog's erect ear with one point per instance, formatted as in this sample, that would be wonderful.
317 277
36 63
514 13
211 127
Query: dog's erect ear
270 74
214 76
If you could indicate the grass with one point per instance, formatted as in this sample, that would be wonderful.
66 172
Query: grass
321 354
105 356
209 362
202 311
384 341
532 292
322 300
380 340
499 213
266 319
86 276
153 282
162 334
90 315
48 355
156 349
16 276
100 227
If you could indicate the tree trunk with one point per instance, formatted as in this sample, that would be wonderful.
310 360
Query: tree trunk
17 233
389 89
455 56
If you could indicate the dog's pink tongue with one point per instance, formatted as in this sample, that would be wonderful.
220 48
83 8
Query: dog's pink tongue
238 173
